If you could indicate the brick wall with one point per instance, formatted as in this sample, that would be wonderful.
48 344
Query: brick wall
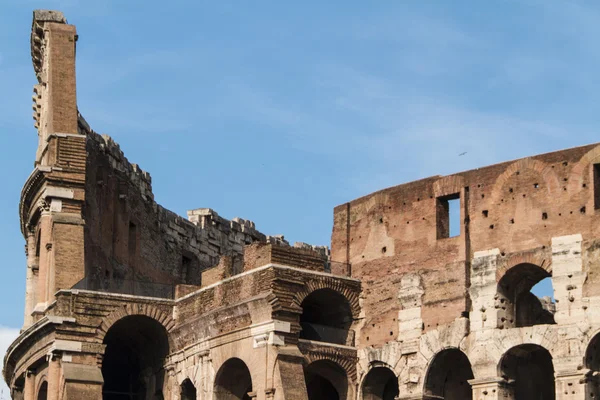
514 206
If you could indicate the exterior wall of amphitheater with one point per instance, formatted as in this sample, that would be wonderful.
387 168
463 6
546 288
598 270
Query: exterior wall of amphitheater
127 300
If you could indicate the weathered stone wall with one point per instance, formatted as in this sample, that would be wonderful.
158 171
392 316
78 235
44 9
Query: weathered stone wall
516 207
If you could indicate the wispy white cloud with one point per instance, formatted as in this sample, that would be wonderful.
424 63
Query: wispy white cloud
7 335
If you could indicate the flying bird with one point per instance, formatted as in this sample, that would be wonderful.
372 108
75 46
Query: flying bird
462 154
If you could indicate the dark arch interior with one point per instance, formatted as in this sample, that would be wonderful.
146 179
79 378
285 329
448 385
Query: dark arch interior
380 384
233 381
43 391
326 380
448 375
188 390
530 366
136 347
521 307
326 317
592 354
592 362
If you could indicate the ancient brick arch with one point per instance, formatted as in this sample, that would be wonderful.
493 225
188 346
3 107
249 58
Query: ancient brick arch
534 258
337 286
136 309
544 170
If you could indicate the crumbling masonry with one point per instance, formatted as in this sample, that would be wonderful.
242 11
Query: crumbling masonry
126 300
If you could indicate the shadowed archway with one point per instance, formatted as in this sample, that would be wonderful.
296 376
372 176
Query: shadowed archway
448 376
233 381
133 364
530 367
326 380
326 317
380 384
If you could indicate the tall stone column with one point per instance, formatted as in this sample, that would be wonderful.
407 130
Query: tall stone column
494 388
29 391
30 284
53 375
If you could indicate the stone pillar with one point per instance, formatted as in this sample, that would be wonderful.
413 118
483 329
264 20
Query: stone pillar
570 385
410 323
30 284
53 376
29 386
567 279
483 291
495 388
45 258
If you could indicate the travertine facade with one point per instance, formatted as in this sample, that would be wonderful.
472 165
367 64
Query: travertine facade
126 300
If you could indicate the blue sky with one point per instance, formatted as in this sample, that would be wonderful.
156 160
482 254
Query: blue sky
278 111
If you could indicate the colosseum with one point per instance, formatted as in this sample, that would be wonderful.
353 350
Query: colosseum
126 300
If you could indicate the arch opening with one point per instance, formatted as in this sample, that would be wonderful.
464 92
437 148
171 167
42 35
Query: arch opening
133 365
380 384
233 381
448 375
326 317
43 391
592 362
325 380
530 367
188 390
518 306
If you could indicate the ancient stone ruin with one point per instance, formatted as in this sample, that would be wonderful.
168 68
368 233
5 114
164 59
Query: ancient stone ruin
127 300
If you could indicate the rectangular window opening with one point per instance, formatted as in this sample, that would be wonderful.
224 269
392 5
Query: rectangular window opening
448 216
597 186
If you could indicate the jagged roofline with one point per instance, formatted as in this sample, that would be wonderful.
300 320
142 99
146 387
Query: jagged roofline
40 16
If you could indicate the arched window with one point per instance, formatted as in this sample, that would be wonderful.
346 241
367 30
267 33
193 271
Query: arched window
188 390
448 376
326 317
43 391
233 381
517 305
380 384
325 380
530 367
133 364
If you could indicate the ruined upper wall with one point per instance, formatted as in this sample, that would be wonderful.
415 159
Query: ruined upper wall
131 244
516 206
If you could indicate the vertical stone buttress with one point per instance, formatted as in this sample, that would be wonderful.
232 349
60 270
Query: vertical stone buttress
53 196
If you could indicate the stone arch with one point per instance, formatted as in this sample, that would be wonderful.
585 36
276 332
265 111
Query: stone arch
332 284
42 390
516 305
187 390
379 383
147 310
592 364
531 369
134 360
326 317
348 364
327 380
447 375
538 258
233 381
